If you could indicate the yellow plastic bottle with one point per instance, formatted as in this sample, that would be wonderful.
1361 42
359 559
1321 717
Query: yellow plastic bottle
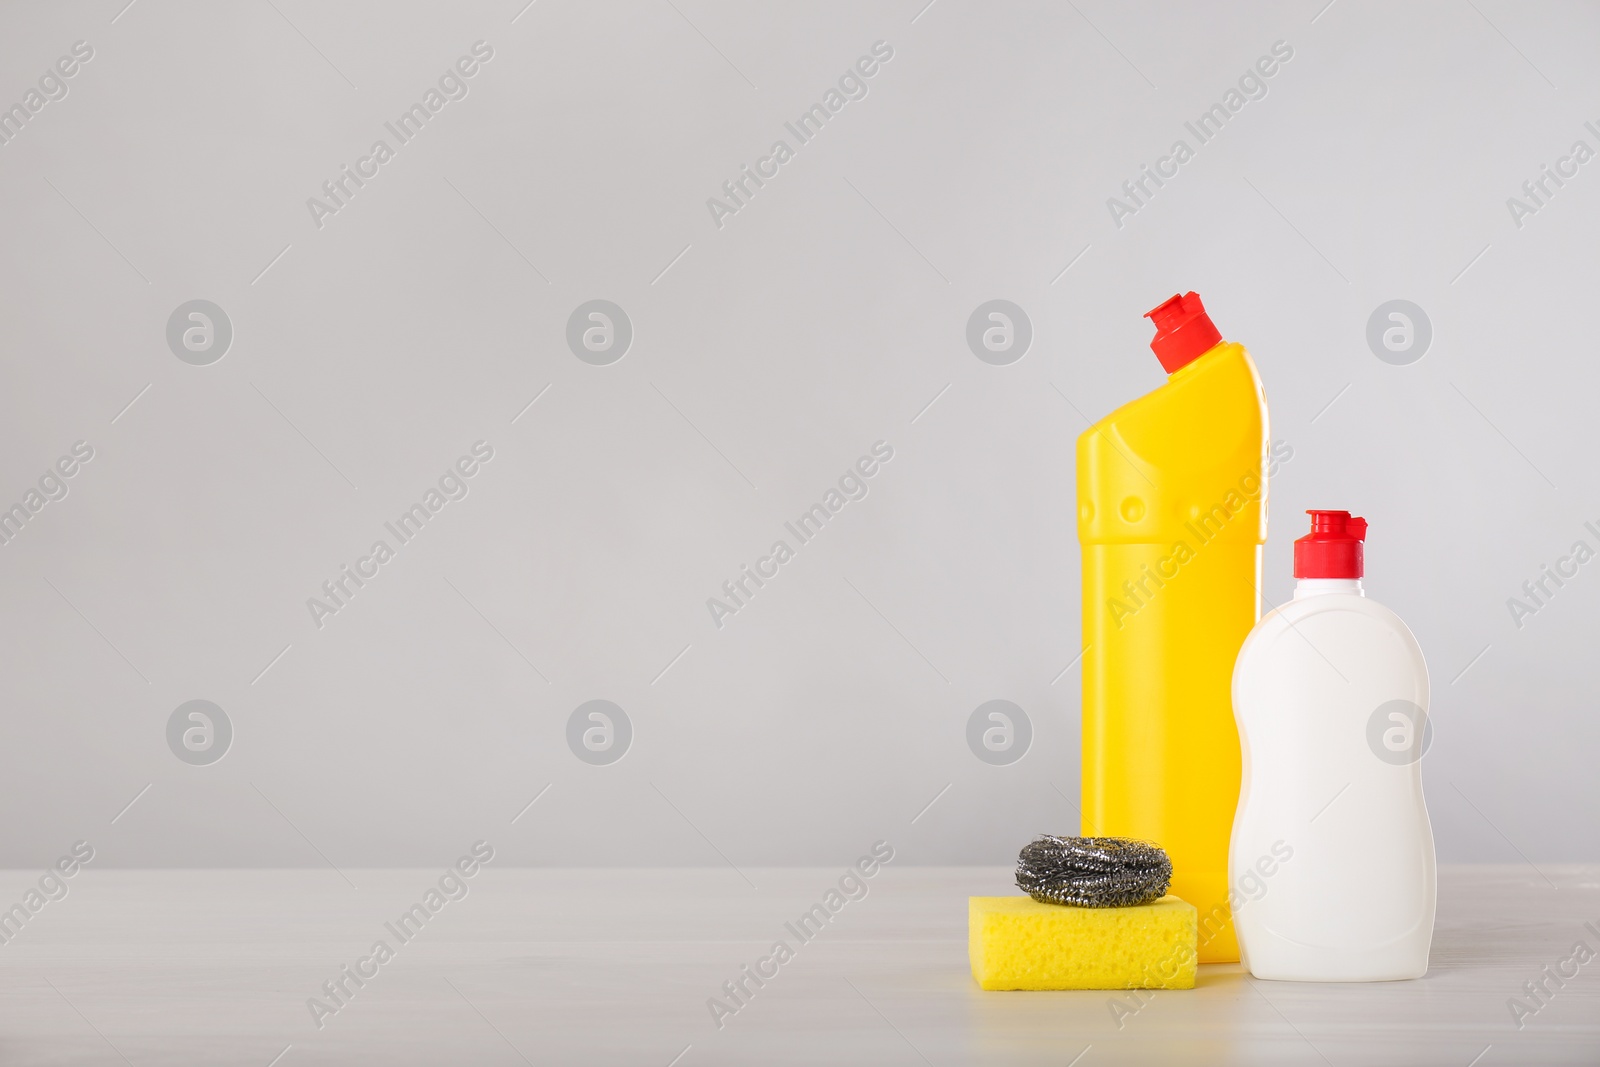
1172 516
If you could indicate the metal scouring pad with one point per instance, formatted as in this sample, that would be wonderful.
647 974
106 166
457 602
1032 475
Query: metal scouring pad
1093 872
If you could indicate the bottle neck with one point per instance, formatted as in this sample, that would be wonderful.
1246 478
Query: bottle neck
1307 587
1193 362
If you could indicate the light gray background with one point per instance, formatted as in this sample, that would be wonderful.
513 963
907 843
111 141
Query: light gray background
370 354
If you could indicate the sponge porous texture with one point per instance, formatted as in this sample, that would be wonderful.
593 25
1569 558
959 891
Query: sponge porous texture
1019 943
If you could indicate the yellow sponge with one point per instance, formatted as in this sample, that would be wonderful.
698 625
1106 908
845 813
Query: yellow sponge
1019 943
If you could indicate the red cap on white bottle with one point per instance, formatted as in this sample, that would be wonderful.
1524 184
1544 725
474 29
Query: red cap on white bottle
1333 548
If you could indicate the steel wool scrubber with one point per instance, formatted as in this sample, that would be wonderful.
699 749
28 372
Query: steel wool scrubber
1093 872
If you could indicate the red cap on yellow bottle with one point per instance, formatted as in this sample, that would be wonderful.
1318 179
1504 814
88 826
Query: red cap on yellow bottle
1183 331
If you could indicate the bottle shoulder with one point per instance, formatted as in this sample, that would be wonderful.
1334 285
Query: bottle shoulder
1226 375
1349 635
1193 450
1374 612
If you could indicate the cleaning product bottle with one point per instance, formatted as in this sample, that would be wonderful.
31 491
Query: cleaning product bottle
1332 851
1172 515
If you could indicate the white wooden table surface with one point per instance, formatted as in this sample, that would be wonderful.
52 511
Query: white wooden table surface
602 967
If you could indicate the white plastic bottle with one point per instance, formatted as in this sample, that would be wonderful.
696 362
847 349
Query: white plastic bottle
1331 860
